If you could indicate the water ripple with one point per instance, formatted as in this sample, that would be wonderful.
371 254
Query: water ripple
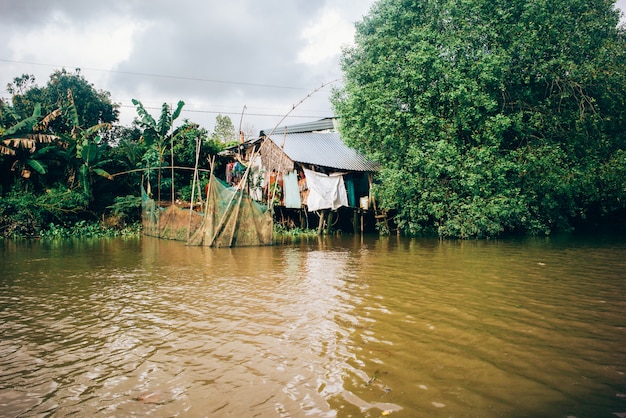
327 328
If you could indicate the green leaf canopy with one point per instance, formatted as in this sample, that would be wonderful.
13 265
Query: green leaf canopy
490 117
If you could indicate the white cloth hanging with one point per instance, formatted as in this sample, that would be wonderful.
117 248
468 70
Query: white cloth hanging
325 191
291 190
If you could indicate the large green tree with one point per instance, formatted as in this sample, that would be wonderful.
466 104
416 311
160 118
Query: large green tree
75 110
53 152
193 138
490 116
92 106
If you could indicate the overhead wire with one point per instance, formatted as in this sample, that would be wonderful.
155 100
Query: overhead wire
196 79
140 74
218 112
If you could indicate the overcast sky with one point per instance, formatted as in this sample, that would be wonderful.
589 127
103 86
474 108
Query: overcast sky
217 56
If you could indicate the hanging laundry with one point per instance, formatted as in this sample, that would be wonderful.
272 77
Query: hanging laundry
229 173
292 191
325 191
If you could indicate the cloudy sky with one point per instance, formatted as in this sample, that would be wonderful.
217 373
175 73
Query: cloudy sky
218 56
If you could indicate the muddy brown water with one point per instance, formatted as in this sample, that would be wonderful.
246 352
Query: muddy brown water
350 326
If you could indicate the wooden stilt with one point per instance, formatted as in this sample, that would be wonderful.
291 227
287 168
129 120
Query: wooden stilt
329 222
362 216
320 227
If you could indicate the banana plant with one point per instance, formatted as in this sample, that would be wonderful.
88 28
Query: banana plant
87 149
21 142
159 135
27 132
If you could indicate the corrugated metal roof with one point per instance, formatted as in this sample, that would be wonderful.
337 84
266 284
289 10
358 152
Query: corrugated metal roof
323 149
325 124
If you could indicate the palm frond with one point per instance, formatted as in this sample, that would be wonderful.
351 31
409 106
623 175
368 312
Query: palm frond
5 150
18 142
146 118
179 108
23 125
38 166
43 138
103 173
96 128
28 141
72 110
43 124
165 122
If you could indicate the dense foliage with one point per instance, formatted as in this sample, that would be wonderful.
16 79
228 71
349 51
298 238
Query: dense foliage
490 117
66 167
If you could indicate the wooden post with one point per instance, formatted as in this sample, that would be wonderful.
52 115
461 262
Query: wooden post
329 222
193 188
362 216
320 227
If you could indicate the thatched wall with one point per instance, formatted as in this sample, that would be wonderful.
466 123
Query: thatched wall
273 158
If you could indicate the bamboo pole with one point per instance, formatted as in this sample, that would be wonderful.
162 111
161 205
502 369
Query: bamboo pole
320 227
193 187
270 201
208 192
172 164
280 166
157 168
236 220
240 188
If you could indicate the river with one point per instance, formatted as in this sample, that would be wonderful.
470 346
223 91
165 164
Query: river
338 327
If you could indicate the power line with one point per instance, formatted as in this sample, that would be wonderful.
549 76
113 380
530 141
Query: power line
229 112
215 112
139 74
180 78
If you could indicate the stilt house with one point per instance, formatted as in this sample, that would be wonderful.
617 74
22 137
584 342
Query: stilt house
307 174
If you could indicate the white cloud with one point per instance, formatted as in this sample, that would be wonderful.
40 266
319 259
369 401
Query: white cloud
216 56
62 42
325 37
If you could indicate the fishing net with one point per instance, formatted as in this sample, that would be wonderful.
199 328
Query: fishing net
232 219
172 222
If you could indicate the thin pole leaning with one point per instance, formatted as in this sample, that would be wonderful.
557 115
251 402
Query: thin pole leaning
240 188
135 170
193 187
270 201
280 166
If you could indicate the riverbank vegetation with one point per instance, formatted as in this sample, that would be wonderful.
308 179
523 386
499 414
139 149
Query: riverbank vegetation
487 118
491 117
68 167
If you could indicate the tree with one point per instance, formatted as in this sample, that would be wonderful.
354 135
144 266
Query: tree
53 153
224 130
92 106
490 116
67 114
89 150
126 153
160 135
185 148
185 156
21 84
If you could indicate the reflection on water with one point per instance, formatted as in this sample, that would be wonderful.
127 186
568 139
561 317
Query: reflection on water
343 327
